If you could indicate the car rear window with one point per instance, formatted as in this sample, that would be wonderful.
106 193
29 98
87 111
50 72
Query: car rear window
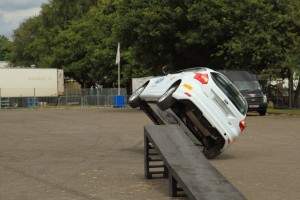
230 91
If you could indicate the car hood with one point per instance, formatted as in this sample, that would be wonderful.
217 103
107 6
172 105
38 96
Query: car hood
251 93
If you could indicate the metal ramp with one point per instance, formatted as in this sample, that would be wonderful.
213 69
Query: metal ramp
167 117
183 163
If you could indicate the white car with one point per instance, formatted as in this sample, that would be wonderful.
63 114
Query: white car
203 102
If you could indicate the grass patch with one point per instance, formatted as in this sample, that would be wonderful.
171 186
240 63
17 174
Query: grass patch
284 111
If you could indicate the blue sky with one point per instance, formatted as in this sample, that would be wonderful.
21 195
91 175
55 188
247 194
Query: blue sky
13 12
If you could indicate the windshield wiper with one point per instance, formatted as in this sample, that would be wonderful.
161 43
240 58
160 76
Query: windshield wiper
246 90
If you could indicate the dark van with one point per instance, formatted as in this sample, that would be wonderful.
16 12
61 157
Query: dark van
249 87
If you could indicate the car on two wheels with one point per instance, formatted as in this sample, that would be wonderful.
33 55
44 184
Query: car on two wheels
202 101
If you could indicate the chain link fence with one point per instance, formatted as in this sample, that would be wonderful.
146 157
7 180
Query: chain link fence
72 97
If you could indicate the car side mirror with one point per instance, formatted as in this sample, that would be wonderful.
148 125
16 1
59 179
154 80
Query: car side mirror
165 70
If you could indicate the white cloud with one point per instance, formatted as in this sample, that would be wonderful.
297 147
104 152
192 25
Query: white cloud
13 5
14 12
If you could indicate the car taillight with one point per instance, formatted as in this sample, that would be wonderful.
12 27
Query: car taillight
203 78
228 141
242 125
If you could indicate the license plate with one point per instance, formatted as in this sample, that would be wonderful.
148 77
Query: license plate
253 106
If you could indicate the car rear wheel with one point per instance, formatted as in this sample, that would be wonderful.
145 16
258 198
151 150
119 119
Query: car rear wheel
166 100
134 99
262 112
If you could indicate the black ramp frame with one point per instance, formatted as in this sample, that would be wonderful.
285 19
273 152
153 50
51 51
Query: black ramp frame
186 165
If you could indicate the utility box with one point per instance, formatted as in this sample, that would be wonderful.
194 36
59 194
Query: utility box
119 101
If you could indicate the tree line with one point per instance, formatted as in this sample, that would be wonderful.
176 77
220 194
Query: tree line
81 37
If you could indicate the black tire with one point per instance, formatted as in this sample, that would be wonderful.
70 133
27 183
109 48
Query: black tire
212 152
135 100
262 112
166 100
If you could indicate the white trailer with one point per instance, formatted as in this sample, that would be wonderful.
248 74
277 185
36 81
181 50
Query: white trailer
31 82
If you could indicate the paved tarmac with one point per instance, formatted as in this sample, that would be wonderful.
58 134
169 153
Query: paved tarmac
98 154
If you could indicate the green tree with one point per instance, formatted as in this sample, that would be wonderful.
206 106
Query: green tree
33 41
25 52
5 48
81 37
149 30
260 33
85 50
291 61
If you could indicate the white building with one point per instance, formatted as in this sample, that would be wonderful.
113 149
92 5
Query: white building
3 64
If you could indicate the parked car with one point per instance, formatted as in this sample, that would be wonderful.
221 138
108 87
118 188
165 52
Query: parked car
202 101
249 87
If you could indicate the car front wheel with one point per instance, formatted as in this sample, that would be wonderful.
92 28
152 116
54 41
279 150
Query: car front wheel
134 99
166 100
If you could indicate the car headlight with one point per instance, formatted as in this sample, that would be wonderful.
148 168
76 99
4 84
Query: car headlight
265 98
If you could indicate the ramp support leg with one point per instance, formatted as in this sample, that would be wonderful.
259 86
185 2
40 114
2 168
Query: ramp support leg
146 163
153 163
173 186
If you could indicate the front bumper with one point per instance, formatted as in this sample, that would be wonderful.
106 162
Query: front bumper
256 104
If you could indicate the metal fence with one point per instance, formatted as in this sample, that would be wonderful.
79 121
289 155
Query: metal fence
72 97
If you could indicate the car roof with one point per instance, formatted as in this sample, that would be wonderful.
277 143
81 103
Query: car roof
194 69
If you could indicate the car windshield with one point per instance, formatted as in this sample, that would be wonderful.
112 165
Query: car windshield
243 80
247 85
230 91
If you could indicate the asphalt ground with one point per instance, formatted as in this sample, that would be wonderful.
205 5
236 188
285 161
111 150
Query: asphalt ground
98 154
